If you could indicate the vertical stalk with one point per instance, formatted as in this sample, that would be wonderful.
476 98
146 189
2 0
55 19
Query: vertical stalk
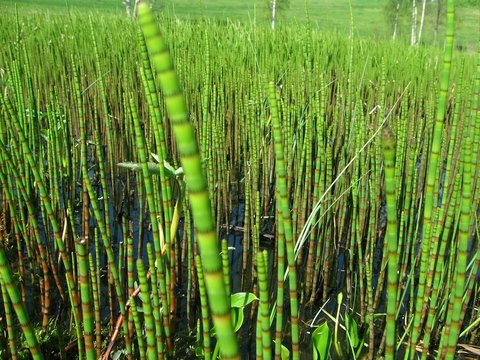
196 183
391 239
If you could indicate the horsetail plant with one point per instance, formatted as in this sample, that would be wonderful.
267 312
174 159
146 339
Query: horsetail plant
85 295
18 306
430 196
286 221
392 239
204 309
196 184
299 160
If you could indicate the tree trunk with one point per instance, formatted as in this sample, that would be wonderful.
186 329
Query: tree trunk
421 21
414 22
274 12
127 7
395 24
135 9
437 19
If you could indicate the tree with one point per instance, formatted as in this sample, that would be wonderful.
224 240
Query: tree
135 9
274 12
395 23
128 7
275 5
422 19
437 20
414 23
394 11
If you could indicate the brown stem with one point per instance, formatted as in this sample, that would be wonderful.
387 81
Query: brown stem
118 324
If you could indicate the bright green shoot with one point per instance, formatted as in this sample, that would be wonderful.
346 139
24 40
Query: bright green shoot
196 183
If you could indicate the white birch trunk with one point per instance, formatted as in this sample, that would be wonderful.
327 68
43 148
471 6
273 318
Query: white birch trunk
414 22
419 37
127 7
135 9
437 20
274 12
395 24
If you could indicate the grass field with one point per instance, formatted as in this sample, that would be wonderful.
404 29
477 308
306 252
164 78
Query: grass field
370 17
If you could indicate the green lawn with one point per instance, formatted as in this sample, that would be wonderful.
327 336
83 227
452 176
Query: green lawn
101 5
370 17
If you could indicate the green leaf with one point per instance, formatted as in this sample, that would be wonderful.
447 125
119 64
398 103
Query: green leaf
237 317
117 354
154 168
352 329
273 313
132 166
242 299
169 168
285 353
179 171
238 302
155 156
322 341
